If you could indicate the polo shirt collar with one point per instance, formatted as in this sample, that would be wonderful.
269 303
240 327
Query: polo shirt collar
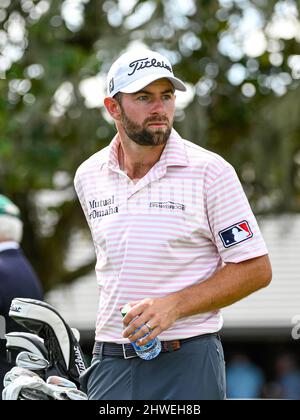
174 153
4 246
113 160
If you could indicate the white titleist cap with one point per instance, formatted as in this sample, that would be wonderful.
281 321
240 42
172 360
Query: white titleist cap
132 71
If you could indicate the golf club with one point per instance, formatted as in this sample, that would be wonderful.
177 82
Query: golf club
33 362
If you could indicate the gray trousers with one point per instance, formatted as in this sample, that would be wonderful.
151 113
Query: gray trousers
194 372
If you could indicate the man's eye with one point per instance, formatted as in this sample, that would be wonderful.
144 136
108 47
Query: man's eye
142 98
166 97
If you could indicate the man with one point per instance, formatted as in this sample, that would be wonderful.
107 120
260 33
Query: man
17 278
164 215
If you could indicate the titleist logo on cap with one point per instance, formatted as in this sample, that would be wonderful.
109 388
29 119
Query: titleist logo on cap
143 63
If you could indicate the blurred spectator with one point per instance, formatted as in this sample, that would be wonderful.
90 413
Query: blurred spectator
244 379
272 390
17 278
288 376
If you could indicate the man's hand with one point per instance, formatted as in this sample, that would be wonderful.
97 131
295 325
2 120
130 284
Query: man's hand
155 315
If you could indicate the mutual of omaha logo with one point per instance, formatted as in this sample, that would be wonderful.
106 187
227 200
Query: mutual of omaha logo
101 208
235 234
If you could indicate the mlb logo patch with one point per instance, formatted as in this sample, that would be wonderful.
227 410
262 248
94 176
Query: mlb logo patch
235 234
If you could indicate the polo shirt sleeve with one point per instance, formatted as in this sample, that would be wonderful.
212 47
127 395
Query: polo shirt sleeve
234 229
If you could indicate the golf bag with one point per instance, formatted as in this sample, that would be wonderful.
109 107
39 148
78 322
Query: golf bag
64 352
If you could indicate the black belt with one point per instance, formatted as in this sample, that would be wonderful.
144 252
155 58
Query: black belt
126 351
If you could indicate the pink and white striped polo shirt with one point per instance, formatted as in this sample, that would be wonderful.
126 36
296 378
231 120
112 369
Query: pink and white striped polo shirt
172 229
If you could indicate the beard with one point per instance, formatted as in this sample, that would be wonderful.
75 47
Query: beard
141 135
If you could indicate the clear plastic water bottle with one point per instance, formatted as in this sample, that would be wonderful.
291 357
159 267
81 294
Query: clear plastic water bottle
148 351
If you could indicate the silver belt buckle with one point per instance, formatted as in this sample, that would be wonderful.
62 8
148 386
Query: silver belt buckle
124 353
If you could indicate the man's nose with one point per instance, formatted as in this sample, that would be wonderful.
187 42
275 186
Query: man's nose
158 106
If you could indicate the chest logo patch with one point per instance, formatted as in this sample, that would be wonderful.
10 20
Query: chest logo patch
167 205
101 208
235 234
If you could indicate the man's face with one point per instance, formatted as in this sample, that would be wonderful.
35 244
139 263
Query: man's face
147 116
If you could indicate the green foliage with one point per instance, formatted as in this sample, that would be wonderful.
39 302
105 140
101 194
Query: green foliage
44 133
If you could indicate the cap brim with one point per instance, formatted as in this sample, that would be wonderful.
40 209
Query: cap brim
145 81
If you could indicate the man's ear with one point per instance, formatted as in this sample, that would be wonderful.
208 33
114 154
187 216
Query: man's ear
113 107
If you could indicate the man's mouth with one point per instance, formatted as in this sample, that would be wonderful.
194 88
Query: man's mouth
157 124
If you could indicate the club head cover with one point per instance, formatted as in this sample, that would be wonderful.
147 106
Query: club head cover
12 390
33 394
64 352
23 341
15 372
60 381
